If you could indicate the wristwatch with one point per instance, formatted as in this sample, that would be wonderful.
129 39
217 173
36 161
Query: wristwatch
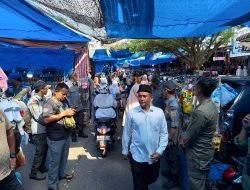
12 155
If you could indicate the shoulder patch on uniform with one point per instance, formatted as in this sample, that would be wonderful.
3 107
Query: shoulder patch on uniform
173 113
34 101
45 110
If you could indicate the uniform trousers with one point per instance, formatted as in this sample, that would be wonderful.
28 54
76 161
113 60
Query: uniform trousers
40 142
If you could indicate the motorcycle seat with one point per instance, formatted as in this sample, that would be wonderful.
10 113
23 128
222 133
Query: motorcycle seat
104 120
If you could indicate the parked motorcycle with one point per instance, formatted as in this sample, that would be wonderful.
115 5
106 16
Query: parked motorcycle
105 130
227 176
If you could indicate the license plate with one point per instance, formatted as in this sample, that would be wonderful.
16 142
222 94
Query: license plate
103 138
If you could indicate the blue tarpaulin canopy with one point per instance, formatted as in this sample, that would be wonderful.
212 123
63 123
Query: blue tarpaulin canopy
20 20
36 58
149 62
120 54
101 55
148 18
105 55
172 18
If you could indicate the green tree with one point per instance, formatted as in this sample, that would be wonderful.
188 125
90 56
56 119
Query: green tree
197 50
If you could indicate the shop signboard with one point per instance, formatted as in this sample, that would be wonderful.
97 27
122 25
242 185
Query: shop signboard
218 58
238 48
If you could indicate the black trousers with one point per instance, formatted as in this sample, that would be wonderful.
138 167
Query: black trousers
40 142
143 174
79 123
10 183
172 160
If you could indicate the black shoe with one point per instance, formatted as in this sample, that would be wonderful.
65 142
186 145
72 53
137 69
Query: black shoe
38 176
66 177
43 170
170 184
83 135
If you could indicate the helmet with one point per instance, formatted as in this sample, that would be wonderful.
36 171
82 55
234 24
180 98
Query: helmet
103 88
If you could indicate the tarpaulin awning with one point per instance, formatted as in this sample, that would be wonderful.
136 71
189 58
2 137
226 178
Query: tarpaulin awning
43 44
120 53
20 20
148 18
103 55
137 59
36 58
172 18
145 62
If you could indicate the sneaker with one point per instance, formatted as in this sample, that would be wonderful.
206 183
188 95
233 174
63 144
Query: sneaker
38 176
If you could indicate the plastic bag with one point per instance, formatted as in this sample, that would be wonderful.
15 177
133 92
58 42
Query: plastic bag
227 94
216 95
230 89
223 94
25 139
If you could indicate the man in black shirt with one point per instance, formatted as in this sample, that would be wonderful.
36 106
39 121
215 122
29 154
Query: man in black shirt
57 134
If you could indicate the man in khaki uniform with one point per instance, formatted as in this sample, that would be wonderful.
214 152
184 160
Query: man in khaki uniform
74 98
172 113
8 178
198 142
38 129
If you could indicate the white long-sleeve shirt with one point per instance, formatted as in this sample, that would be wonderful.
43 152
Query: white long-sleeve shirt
149 133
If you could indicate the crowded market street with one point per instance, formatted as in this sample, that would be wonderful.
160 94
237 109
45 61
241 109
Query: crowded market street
124 95
90 170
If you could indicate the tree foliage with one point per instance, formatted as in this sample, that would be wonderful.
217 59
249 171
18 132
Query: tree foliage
197 50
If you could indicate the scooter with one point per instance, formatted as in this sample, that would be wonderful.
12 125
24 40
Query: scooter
105 130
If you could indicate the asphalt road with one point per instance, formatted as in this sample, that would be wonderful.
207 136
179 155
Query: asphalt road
91 172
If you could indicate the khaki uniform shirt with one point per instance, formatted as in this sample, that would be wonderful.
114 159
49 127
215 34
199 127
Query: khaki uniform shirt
74 96
4 147
35 106
172 113
198 141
